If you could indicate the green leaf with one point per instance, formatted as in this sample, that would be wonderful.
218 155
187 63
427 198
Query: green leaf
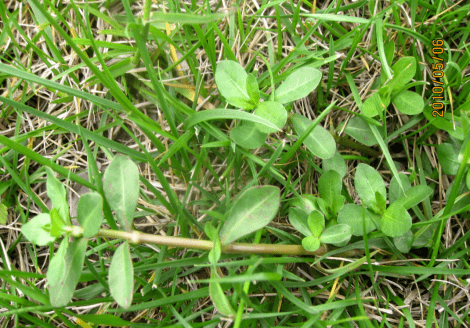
104 319
367 182
324 207
408 102
210 230
61 290
121 276
223 114
90 213
403 243
320 142
311 243
468 179
335 163
56 192
219 299
34 231
316 223
185 18
351 214
248 136
336 234
3 214
403 72
423 237
252 89
360 130
380 201
395 221
121 189
306 202
56 269
273 112
414 196
394 190
389 48
442 123
329 186
298 218
56 223
252 210
215 252
338 204
448 158
298 85
231 81
373 105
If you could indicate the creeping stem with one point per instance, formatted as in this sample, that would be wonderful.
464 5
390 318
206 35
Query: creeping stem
137 237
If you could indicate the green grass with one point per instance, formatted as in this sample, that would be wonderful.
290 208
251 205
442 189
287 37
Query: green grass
82 83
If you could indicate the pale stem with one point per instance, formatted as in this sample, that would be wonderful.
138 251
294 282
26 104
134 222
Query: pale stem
137 237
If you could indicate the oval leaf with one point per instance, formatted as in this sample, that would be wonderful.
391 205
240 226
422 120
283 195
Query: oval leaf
219 299
252 211
90 213
403 72
273 112
306 202
395 221
298 85
351 214
373 105
448 158
394 190
248 136
34 231
409 103
336 234
320 142
252 89
210 230
311 243
316 223
121 276
414 196
121 188
57 265
56 192
299 220
404 242
56 223
367 182
231 82
329 186
215 252
360 130
61 290
335 163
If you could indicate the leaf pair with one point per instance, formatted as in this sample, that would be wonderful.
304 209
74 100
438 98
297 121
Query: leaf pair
305 214
394 90
121 190
241 90
395 220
